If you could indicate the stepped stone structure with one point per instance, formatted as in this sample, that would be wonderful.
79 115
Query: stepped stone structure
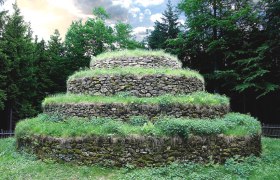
115 150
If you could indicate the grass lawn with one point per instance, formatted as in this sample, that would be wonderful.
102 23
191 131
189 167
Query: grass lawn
14 165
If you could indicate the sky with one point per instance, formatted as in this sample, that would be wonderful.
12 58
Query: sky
47 15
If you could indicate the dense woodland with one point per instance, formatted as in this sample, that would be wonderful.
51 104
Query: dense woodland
234 44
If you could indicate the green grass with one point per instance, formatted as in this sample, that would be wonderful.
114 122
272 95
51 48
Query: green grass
134 53
138 71
197 98
17 166
166 126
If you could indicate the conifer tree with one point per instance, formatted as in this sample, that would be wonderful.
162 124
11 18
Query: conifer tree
18 50
58 72
3 62
165 30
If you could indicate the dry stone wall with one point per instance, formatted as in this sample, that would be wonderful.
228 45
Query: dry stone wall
146 61
124 111
141 86
140 151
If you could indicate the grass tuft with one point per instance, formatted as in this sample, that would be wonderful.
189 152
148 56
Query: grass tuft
138 71
165 126
134 53
197 98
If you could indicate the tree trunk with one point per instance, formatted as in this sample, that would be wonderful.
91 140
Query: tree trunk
11 120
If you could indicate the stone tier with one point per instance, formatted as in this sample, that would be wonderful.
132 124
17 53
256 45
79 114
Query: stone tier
140 151
141 86
124 111
145 61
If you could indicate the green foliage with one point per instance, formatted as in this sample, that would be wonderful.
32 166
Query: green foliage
84 40
59 67
57 126
165 30
2 99
100 13
124 38
17 77
229 42
138 71
198 98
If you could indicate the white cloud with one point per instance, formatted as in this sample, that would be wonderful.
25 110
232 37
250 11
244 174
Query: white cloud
181 21
146 3
141 32
147 12
7 5
156 17
47 15
141 17
134 11
124 3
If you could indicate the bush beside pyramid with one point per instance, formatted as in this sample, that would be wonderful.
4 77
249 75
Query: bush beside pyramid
140 108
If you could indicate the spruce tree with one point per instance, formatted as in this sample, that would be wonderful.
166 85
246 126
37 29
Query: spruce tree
3 62
165 30
57 72
20 84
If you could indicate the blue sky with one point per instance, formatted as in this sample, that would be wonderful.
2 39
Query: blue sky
47 15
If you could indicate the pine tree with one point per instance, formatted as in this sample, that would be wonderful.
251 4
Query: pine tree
165 30
20 84
3 62
57 72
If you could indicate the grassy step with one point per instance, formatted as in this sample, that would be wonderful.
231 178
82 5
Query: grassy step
197 98
134 53
232 124
138 71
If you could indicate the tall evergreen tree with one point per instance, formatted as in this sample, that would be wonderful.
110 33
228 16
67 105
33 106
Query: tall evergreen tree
3 62
165 30
42 65
20 82
57 71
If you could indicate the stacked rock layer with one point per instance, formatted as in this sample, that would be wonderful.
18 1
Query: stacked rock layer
137 150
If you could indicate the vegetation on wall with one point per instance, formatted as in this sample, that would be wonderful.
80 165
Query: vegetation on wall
56 126
196 98
137 71
17 165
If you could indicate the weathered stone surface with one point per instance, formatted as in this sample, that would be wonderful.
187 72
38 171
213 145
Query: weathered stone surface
146 61
141 86
140 151
124 111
